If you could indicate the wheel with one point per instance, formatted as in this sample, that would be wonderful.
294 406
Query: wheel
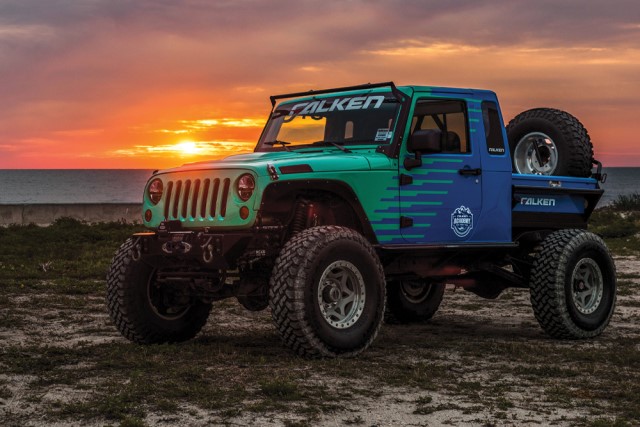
545 141
573 285
146 311
327 292
254 302
413 300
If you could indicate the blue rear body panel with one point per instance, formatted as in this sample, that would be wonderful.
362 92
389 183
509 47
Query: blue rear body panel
447 207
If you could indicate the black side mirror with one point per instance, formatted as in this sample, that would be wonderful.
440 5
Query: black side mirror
423 141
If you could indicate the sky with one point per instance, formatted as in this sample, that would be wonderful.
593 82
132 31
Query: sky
155 84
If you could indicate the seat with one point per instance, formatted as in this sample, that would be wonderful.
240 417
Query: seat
452 143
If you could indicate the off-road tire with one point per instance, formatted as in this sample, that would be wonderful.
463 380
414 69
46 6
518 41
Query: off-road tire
131 310
414 303
296 300
574 147
556 279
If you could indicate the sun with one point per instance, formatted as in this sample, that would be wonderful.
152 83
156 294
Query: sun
188 148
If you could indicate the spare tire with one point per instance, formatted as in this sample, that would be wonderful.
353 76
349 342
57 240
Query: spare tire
546 141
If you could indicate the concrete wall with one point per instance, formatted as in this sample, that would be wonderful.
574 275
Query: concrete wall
45 214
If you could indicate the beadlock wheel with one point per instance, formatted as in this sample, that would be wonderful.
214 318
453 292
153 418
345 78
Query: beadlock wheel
588 286
573 284
414 291
327 292
413 300
341 294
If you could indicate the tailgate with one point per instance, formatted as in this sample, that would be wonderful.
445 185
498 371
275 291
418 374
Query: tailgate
553 202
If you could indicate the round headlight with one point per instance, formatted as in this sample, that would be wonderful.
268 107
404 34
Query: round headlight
245 186
155 191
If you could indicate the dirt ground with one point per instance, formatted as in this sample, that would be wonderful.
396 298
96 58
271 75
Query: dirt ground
478 362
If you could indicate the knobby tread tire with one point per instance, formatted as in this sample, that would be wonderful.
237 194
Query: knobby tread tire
548 289
287 291
131 316
574 145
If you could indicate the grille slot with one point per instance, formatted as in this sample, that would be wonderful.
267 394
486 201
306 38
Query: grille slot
197 199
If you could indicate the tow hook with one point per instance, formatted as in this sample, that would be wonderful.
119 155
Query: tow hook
176 247
207 251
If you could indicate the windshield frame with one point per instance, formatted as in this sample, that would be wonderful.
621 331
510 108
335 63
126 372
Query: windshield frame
398 125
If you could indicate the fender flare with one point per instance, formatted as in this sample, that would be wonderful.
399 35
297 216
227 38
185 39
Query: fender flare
277 192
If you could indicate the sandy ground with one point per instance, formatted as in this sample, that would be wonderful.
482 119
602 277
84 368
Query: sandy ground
463 315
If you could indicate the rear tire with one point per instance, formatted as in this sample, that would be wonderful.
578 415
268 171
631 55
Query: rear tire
413 300
573 285
563 144
327 292
143 310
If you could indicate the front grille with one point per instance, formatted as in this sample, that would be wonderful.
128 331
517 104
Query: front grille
197 199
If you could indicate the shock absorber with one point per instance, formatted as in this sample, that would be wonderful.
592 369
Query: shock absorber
300 216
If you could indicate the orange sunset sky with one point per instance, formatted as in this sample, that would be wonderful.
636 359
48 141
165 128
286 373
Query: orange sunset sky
154 84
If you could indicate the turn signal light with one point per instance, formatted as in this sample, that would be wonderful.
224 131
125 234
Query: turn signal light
244 212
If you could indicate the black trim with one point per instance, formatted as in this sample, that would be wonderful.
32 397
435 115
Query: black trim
406 179
556 190
592 196
446 246
279 196
547 221
406 222
295 169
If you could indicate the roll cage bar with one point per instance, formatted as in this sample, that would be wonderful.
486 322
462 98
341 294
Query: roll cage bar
396 92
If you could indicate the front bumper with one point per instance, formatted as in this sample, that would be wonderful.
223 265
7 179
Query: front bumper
208 250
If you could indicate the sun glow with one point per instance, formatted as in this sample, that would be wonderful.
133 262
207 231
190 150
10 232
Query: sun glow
188 148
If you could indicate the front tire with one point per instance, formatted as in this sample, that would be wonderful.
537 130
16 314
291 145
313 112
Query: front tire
413 300
327 292
143 310
573 285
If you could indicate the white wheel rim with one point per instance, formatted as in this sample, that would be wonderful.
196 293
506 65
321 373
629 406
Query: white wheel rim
525 155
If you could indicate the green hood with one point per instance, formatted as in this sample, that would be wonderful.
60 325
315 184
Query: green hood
320 160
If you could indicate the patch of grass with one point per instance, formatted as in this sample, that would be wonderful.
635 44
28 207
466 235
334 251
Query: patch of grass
611 224
627 202
66 249
228 373
281 390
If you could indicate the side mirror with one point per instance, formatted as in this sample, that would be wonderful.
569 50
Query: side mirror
422 141
425 141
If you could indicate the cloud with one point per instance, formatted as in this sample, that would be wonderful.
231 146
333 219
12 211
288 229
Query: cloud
206 149
136 68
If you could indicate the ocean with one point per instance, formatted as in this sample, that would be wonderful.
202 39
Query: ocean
27 186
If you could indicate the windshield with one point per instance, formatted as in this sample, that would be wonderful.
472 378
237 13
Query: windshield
340 120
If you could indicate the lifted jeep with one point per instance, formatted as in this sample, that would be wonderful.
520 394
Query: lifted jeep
367 199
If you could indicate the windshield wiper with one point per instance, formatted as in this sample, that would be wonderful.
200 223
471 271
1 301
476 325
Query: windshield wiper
278 142
335 144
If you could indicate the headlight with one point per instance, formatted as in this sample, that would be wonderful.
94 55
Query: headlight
245 186
155 191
